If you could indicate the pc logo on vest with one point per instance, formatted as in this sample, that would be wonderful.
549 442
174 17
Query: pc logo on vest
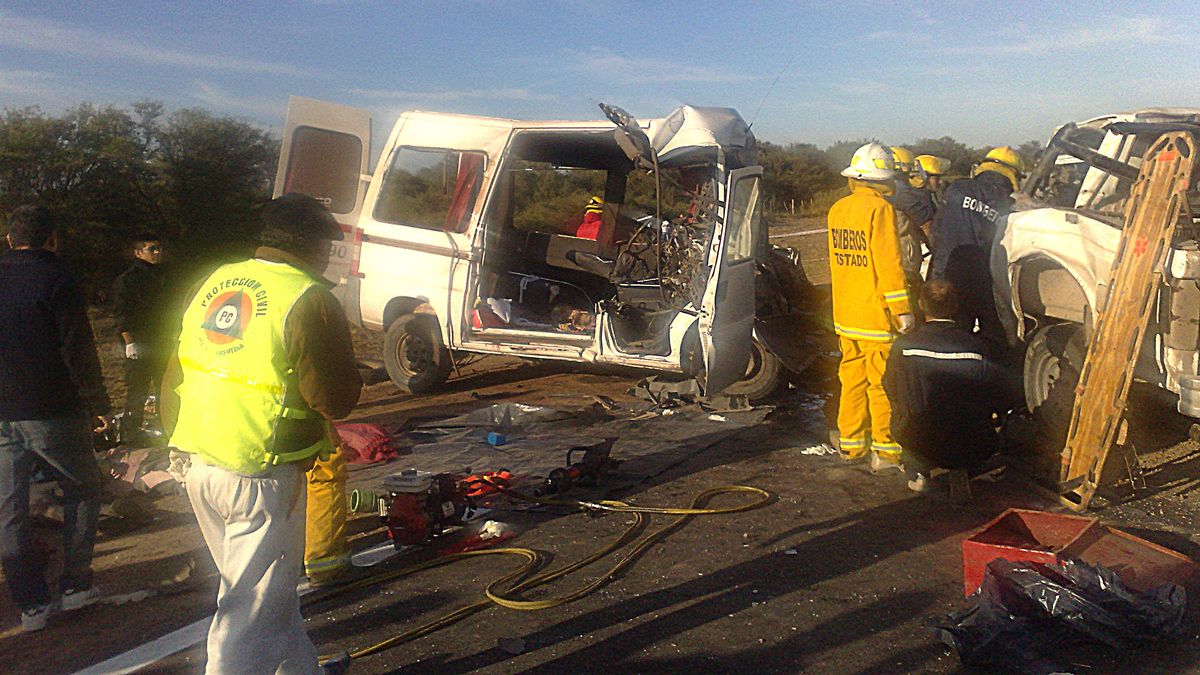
228 317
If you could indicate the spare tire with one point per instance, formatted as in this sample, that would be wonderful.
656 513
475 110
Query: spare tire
413 354
764 374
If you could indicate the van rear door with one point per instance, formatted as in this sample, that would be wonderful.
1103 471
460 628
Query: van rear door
325 154
727 309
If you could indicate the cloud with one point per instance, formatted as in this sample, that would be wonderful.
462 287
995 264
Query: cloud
28 82
222 100
1108 31
444 95
863 87
41 35
638 70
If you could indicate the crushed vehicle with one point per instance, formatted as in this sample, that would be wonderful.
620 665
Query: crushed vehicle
613 241
1052 263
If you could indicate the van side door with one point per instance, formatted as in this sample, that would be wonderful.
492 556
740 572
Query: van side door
727 308
325 154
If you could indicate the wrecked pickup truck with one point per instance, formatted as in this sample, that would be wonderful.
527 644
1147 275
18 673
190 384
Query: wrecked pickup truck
1052 263
467 238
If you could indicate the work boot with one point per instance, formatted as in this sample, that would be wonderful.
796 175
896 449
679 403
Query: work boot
881 463
960 486
34 618
852 459
920 484
78 598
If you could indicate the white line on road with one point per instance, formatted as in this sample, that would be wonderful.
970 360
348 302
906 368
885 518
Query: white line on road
153 651
801 233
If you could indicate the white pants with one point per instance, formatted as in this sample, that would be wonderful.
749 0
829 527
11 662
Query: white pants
254 527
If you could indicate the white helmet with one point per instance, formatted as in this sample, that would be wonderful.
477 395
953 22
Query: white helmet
871 162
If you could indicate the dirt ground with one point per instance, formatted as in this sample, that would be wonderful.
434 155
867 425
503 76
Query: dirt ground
837 574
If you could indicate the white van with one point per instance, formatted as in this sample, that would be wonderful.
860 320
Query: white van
468 236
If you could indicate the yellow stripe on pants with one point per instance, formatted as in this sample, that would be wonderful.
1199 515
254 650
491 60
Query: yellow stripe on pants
864 411
326 551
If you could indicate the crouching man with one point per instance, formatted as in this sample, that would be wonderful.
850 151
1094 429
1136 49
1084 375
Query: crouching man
944 390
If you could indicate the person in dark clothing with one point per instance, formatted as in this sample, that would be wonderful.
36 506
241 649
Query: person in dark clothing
914 213
50 390
944 390
964 231
137 304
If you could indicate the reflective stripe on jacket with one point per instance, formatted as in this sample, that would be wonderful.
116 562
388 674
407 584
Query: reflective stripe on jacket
236 376
943 389
864 261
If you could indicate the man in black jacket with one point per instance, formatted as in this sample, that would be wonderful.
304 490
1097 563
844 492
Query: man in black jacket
137 304
50 389
963 233
944 390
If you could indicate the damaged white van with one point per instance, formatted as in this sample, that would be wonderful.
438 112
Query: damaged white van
607 241
1052 263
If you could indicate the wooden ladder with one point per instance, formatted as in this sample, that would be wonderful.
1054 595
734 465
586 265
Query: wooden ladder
1155 205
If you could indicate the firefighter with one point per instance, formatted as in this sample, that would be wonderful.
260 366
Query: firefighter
589 227
326 549
932 170
914 213
964 231
870 304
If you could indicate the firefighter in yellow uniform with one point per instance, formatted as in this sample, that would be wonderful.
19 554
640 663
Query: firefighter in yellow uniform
870 304
326 550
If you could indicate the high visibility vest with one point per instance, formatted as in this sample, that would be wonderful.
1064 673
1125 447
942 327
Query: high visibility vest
236 376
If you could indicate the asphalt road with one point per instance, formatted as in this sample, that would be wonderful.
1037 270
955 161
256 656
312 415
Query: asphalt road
837 574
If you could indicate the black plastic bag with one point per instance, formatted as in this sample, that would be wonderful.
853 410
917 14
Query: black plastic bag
1023 613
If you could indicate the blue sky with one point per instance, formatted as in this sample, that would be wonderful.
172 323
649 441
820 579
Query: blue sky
985 73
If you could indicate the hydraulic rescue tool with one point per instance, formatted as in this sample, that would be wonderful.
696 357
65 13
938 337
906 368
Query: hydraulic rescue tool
595 462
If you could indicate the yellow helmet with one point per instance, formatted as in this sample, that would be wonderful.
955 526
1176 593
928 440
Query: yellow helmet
1008 157
903 158
872 162
933 165
594 204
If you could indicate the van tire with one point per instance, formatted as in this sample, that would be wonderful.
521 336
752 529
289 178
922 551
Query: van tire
413 354
764 374
1053 361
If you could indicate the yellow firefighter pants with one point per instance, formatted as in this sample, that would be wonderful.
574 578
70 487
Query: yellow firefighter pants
326 551
864 416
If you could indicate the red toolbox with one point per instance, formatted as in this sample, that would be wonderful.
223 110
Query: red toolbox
1022 535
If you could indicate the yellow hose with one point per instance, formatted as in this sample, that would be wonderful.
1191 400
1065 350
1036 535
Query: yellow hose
519 580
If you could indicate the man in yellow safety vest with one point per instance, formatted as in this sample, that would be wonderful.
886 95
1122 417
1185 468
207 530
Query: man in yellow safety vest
263 363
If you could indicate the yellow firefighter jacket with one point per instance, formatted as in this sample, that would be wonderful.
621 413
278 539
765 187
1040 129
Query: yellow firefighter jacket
864 261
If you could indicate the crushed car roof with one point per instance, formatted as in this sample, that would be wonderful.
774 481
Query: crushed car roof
689 135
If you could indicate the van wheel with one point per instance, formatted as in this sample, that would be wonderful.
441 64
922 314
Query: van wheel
413 354
764 374
1053 361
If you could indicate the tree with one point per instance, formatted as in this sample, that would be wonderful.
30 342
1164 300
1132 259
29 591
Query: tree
214 170
795 173
840 153
109 173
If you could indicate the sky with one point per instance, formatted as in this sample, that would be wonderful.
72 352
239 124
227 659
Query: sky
985 73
